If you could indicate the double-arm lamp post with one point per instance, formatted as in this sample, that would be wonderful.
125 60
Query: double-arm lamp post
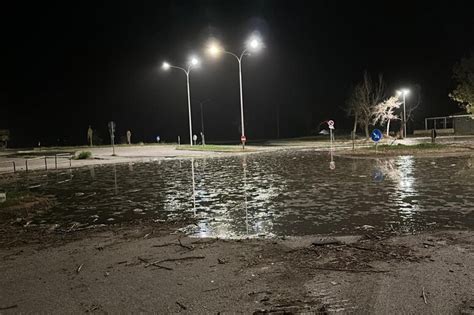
254 44
193 63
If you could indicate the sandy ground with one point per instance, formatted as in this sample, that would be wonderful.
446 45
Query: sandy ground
103 155
149 267
146 153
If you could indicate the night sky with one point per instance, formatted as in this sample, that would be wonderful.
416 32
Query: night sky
73 64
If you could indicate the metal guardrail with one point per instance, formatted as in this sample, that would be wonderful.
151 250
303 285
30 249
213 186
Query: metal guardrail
57 159
10 162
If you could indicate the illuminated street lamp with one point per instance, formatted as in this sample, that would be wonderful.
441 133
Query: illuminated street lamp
193 63
254 44
404 93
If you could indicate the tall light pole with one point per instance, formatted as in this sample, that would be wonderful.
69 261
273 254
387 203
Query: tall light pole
404 93
193 62
202 113
253 45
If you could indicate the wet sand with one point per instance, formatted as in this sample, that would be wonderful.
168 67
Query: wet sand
148 267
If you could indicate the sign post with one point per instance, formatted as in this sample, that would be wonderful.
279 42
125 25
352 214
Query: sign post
243 139
331 128
112 135
376 136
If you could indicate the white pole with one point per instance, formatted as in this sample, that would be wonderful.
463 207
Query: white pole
404 118
194 186
330 136
189 110
241 102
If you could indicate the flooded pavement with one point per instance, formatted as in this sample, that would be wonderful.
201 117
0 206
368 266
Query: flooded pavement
288 193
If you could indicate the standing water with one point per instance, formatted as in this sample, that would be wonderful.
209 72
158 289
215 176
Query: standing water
284 193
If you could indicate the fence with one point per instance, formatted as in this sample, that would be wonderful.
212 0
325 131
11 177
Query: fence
58 158
13 163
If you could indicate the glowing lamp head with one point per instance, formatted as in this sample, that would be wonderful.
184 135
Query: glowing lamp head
214 50
194 61
254 43
165 66
403 92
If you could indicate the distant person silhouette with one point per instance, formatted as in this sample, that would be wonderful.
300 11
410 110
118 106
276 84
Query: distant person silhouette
129 137
89 135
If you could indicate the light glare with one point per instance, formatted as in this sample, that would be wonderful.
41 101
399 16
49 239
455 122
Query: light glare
194 61
165 66
214 50
254 43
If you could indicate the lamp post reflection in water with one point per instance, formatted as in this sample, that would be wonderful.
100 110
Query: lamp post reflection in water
194 186
244 167
332 164
115 180
92 171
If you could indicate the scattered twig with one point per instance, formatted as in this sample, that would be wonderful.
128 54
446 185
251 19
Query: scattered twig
185 246
368 249
143 260
209 290
181 305
71 228
155 264
324 242
259 292
164 245
79 268
429 244
8 307
424 295
159 266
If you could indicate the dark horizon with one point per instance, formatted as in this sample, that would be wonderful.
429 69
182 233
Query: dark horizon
71 66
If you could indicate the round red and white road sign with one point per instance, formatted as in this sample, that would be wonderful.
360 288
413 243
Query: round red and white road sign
330 123
243 138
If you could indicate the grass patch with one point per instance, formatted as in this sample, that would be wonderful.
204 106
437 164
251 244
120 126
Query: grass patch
84 155
420 146
15 198
211 147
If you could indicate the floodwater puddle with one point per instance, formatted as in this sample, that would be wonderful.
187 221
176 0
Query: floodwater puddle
289 193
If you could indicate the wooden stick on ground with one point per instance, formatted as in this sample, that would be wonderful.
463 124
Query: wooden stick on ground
185 246
424 295
155 264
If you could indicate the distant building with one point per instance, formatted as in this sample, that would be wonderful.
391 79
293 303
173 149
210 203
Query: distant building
4 137
462 124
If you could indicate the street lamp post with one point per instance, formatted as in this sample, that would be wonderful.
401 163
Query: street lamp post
404 93
253 44
202 118
192 64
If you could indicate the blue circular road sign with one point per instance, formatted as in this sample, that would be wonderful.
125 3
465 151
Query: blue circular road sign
376 135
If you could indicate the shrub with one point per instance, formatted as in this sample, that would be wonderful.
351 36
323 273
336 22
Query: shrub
84 155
